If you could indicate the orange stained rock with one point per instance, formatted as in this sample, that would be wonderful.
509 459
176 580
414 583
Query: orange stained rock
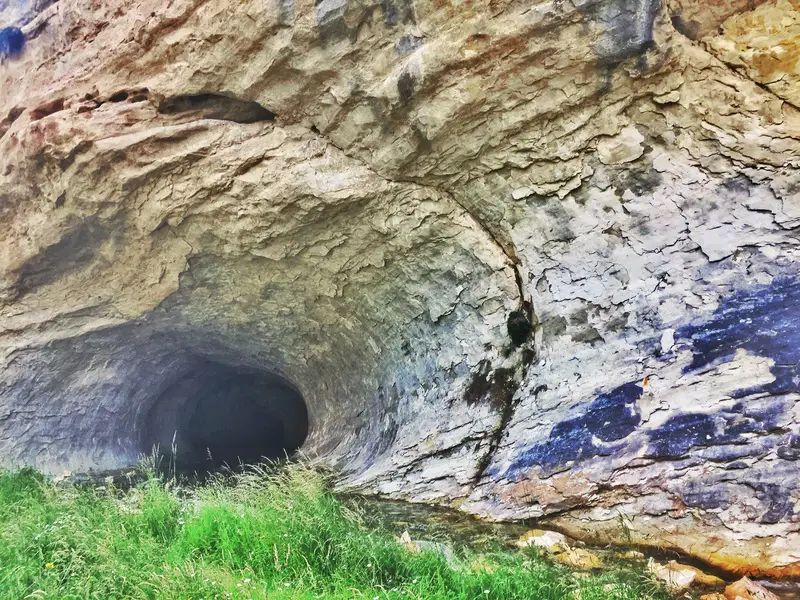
745 589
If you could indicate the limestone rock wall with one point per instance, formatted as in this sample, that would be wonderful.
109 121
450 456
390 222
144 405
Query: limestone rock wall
356 196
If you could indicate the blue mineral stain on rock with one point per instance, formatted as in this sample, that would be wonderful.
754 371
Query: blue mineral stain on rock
611 417
728 453
776 498
699 494
762 320
766 489
757 416
679 433
725 429
12 41
737 465
789 448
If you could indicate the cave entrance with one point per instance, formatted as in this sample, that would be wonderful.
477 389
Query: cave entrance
216 416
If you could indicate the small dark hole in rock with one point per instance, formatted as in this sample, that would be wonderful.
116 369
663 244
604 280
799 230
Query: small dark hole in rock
45 110
15 113
519 327
119 97
217 106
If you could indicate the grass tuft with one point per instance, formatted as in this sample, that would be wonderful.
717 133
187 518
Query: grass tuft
277 534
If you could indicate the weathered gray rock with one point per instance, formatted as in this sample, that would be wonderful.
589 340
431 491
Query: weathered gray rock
348 201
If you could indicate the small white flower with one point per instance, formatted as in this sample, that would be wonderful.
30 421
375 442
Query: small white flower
415 581
247 580
486 592
369 565
287 584
238 585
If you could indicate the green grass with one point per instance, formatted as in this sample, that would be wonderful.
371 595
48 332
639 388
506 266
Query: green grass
265 534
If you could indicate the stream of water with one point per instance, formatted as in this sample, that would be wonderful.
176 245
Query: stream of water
458 530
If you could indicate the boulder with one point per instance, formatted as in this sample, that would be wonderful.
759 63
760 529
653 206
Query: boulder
418 546
578 558
746 589
539 538
679 577
557 547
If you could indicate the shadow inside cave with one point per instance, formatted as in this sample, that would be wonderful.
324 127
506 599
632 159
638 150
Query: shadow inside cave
217 416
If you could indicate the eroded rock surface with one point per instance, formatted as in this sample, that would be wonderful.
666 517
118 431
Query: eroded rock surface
352 198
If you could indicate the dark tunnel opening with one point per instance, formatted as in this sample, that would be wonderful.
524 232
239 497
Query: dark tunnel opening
218 416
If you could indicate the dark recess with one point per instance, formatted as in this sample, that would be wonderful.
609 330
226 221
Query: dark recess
45 110
495 387
691 29
405 87
519 327
220 415
118 97
217 106
13 115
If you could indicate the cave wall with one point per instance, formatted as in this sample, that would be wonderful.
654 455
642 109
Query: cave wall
354 197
